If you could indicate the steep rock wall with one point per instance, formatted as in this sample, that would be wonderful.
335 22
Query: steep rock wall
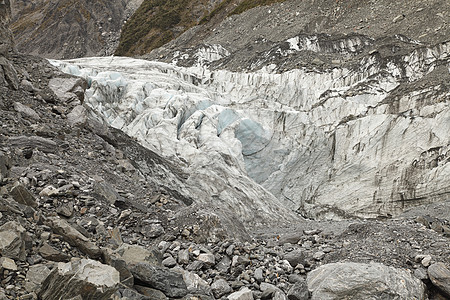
70 28
8 74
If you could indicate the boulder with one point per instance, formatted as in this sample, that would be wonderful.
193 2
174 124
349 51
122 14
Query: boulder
220 288
439 275
49 191
26 111
73 236
183 257
259 275
136 254
150 293
295 257
299 291
363 281
12 240
171 283
195 284
35 276
68 89
87 278
34 142
270 291
77 117
106 192
50 253
169 262
207 258
7 264
8 74
23 196
223 266
243 294
291 238
4 166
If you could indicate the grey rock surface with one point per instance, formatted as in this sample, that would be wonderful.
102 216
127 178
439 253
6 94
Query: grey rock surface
171 283
12 240
243 294
364 281
23 196
35 276
94 32
195 284
299 291
439 274
78 116
68 89
86 278
220 288
295 257
50 253
26 111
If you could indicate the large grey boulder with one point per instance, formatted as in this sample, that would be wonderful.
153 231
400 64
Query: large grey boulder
195 284
68 89
299 291
439 275
35 276
8 74
12 244
295 257
243 294
126 255
106 192
136 254
87 278
77 117
220 287
171 283
23 196
363 281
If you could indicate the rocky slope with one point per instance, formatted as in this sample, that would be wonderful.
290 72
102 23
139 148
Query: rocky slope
68 29
158 22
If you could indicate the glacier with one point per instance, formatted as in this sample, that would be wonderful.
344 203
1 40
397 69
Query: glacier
330 144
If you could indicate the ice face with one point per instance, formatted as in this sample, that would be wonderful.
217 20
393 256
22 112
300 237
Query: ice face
324 142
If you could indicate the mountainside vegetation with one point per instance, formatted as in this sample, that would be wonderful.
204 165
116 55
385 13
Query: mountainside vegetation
157 22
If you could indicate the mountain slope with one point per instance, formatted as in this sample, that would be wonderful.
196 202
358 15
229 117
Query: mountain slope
158 22
69 28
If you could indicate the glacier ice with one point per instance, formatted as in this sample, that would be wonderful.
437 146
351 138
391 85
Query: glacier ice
330 144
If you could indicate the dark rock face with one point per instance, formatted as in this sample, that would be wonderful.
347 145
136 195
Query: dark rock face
68 29
440 277
363 281
6 41
169 282
8 73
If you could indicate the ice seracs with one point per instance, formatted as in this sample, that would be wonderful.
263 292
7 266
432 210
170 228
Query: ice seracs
330 143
